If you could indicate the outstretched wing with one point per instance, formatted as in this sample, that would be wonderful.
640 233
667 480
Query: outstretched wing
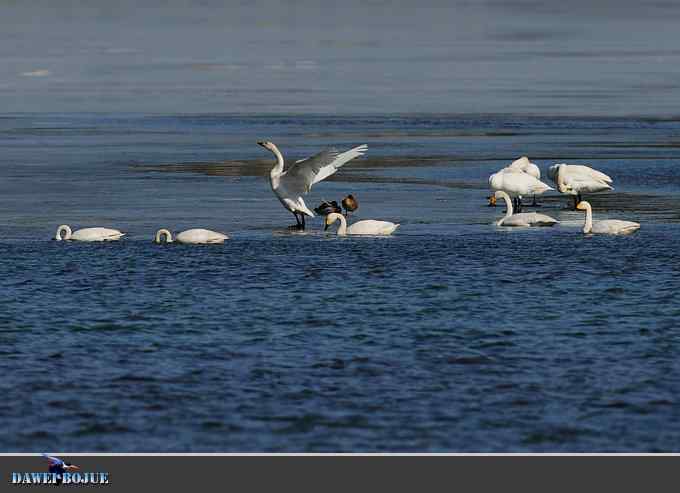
306 172
54 461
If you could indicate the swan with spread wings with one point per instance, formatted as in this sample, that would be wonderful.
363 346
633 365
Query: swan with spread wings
290 185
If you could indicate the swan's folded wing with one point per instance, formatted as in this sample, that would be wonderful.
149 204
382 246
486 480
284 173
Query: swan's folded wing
305 173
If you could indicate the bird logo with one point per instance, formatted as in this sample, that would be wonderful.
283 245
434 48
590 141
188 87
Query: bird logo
59 467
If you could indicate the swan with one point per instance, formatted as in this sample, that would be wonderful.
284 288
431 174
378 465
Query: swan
522 219
88 234
366 227
350 204
608 226
290 185
525 166
192 236
579 169
575 179
517 183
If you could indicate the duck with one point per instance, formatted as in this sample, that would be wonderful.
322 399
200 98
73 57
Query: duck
326 207
290 185
524 218
365 227
191 236
88 234
350 204
608 226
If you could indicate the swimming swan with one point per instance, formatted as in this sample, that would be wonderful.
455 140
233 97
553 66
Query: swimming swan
524 218
290 185
366 227
606 227
192 236
88 234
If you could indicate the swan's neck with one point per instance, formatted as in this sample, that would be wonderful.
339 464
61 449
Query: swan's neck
508 206
163 232
66 229
278 167
342 229
588 226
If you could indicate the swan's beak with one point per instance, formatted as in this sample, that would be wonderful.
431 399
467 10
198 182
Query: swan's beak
263 144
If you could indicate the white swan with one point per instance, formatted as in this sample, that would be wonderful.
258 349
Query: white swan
525 166
576 179
522 219
608 226
579 169
516 184
88 234
366 227
290 185
192 236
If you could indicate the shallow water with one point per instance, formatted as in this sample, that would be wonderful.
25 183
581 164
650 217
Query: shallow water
453 335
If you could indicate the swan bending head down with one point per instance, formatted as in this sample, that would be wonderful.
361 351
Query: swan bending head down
521 219
191 236
66 229
88 234
163 232
366 227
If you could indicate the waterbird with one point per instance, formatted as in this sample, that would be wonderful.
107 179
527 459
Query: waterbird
88 234
326 207
290 185
516 184
524 165
524 218
350 204
365 227
191 236
608 226
58 466
576 179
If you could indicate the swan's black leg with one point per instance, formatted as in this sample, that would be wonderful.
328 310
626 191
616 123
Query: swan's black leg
534 204
297 220
519 204
576 201
302 216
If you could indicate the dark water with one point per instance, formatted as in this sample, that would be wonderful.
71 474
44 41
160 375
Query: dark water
450 336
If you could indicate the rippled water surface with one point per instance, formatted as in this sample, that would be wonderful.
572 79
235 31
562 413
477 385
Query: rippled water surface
452 335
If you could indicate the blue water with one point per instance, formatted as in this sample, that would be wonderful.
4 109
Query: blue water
452 335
